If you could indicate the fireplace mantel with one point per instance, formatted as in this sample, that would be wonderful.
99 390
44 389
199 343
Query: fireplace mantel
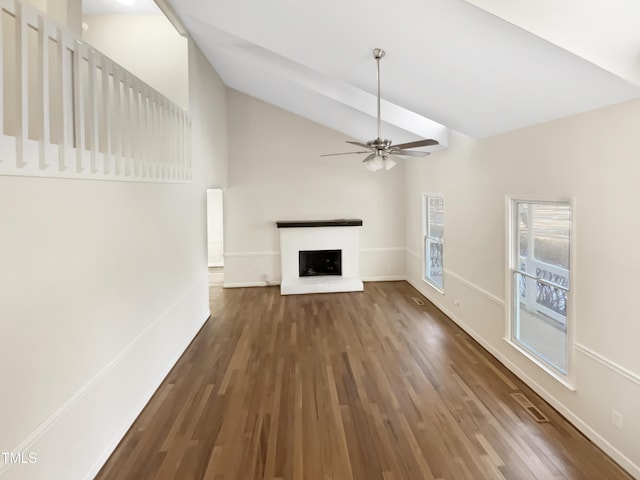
342 222
313 235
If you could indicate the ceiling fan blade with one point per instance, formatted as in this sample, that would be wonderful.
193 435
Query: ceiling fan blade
360 144
419 143
409 153
369 157
345 153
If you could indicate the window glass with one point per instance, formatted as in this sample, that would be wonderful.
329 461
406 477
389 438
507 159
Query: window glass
540 274
433 240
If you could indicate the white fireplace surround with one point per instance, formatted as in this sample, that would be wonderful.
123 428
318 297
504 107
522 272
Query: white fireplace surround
296 239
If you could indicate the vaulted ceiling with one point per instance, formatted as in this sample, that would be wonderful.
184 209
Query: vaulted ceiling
127 7
449 64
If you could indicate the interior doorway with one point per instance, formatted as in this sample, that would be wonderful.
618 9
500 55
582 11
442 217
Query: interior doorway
215 236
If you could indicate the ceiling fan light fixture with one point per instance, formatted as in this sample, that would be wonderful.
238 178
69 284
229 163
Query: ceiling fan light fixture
389 163
377 163
369 165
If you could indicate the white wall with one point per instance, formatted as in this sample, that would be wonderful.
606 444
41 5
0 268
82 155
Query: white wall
276 173
594 158
39 4
66 12
102 286
146 45
208 112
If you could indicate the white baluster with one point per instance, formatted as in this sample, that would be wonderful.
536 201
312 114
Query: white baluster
79 104
116 118
61 119
137 128
130 123
105 113
93 111
155 142
22 89
43 72
181 159
188 149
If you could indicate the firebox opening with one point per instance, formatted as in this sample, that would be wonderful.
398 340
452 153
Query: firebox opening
320 262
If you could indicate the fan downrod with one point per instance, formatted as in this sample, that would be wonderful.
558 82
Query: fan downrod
381 151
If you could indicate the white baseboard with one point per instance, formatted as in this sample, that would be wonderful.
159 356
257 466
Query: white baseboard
384 278
250 284
74 441
580 424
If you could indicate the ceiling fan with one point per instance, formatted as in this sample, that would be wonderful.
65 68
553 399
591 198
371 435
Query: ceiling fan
382 151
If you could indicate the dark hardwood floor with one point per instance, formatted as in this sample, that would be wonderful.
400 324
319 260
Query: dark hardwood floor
366 386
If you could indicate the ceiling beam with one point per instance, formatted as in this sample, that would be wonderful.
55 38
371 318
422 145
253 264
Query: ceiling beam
171 15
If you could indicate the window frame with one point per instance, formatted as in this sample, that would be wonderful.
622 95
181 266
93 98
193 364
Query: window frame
425 238
511 262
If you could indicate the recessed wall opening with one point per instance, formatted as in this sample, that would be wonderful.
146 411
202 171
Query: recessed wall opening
314 263
215 237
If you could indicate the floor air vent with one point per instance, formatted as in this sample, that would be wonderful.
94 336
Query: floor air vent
417 300
530 408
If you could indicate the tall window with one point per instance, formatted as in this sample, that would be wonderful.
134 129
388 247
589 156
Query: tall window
539 269
433 235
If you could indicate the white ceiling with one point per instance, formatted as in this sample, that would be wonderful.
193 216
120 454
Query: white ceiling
604 32
91 7
447 60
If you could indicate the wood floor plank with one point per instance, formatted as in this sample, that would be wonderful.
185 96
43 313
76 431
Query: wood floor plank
348 386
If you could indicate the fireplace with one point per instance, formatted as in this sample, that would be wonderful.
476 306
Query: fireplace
313 263
320 256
